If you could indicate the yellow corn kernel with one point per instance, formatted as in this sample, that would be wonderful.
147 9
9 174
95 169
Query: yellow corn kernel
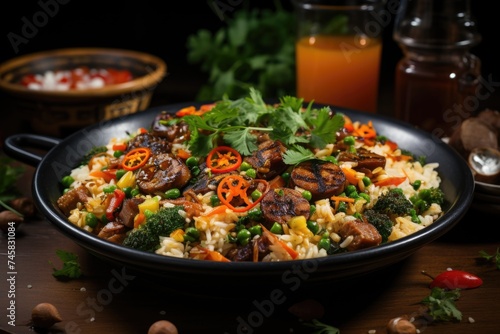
127 180
178 235
152 204
298 223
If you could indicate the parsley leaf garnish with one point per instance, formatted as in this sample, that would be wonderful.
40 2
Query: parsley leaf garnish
238 123
321 328
441 304
71 266
494 258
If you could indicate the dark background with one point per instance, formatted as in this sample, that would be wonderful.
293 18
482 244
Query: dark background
162 28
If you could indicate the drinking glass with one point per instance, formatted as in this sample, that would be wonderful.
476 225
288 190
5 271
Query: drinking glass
338 51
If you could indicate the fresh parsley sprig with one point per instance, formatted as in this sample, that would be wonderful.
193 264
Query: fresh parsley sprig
441 304
493 258
237 123
71 266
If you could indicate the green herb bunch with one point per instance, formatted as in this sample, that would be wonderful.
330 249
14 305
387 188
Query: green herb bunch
255 49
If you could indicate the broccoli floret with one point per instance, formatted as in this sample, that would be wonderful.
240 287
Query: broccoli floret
95 150
394 203
425 197
381 221
162 223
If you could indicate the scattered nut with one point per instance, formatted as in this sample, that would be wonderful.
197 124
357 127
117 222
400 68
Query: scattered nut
401 325
45 315
307 309
163 327
7 217
24 205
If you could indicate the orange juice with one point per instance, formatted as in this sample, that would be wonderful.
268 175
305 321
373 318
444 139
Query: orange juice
340 71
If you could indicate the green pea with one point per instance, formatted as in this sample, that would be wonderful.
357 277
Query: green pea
416 185
366 181
349 189
117 153
109 189
312 209
342 207
331 159
120 173
192 232
67 181
148 213
276 228
245 166
250 172
135 192
91 220
172 193
313 226
365 196
307 195
128 191
195 170
256 194
192 162
104 220
255 230
255 214
352 149
349 140
243 236
214 200
324 243
286 176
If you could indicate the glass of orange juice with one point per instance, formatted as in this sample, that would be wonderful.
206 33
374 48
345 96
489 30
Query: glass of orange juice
338 51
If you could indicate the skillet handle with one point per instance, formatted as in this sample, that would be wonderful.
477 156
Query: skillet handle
16 146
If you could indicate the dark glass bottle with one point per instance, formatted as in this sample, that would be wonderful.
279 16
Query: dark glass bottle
438 80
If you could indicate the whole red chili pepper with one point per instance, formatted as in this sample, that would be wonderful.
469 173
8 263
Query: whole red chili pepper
456 279
114 204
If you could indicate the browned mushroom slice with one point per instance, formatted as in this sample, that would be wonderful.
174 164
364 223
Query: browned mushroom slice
162 172
268 159
363 158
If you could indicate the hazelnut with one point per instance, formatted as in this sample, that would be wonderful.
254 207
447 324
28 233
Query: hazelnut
45 315
401 325
163 327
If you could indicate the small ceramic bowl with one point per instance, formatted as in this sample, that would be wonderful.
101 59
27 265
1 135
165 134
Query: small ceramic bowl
61 112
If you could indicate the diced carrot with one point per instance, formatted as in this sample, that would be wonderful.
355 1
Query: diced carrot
390 181
277 182
107 176
183 154
216 256
350 175
216 210
139 219
119 147
293 254
338 199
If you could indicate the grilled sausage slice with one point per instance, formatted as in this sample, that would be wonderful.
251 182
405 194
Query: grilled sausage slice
156 144
364 234
268 159
322 178
162 172
281 204
364 158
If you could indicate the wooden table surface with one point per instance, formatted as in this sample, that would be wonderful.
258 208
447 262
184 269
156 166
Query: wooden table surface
108 299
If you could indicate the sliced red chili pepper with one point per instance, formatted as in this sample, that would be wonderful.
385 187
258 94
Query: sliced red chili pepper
234 188
136 158
114 204
223 159
456 279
